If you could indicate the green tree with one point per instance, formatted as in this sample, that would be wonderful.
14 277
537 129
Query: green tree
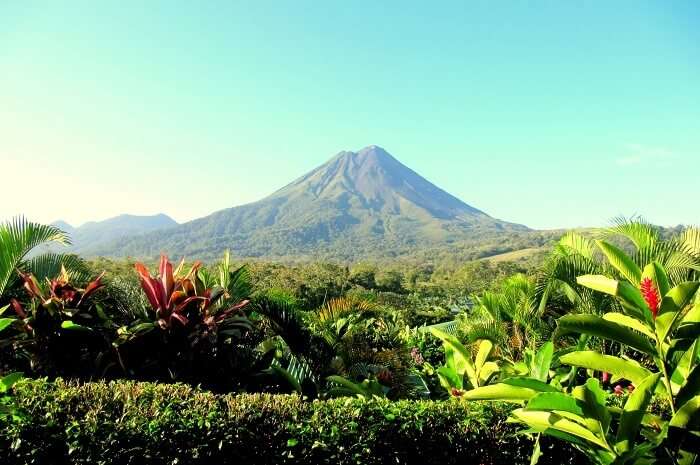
508 316
364 275
390 281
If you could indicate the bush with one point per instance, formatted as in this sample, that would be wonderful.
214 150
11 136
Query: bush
145 423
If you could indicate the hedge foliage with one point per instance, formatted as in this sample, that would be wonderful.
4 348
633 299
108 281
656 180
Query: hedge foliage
145 423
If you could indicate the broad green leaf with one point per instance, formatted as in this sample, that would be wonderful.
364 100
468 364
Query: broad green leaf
5 323
487 370
672 305
633 302
542 361
683 366
633 413
530 383
650 420
686 413
549 401
500 392
657 274
596 326
69 325
455 362
287 376
689 326
595 361
355 388
691 388
621 262
4 309
544 421
461 354
599 283
566 437
629 294
485 349
626 320
594 404
8 381
449 378
589 404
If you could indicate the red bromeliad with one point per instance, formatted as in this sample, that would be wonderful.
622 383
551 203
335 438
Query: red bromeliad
651 295
61 292
176 298
62 301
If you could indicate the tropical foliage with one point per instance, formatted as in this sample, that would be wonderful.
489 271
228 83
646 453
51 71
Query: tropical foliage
657 321
597 348
19 241
189 328
60 331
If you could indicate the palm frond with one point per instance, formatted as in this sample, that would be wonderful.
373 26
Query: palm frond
282 312
341 307
641 233
239 285
493 330
17 239
690 241
287 322
573 243
49 265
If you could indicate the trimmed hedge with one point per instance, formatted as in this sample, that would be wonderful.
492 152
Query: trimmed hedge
145 423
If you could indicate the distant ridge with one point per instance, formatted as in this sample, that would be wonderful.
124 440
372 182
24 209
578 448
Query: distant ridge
358 204
95 234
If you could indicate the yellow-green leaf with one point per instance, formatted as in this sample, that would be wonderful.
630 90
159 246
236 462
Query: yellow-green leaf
595 361
633 412
621 262
543 421
630 322
672 305
594 325
500 392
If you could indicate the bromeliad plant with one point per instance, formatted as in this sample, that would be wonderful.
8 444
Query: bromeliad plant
182 300
61 331
657 321
186 330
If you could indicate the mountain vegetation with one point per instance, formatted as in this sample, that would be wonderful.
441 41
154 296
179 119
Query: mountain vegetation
94 234
358 205
593 350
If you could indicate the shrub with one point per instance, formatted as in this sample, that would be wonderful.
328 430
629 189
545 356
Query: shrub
144 423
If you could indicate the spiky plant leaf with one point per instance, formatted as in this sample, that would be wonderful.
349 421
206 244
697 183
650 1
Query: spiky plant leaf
18 237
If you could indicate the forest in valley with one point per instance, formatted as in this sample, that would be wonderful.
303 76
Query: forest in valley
586 351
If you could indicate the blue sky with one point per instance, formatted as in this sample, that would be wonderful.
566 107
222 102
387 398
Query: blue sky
551 114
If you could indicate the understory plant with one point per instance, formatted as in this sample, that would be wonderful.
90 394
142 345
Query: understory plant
660 326
187 334
60 331
20 241
8 407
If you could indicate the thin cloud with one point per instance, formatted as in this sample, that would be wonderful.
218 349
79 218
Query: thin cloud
637 154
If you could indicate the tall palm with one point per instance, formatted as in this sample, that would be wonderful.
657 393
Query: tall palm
577 255
18 238
508 317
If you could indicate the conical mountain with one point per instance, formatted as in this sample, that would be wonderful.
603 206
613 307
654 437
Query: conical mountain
358 204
